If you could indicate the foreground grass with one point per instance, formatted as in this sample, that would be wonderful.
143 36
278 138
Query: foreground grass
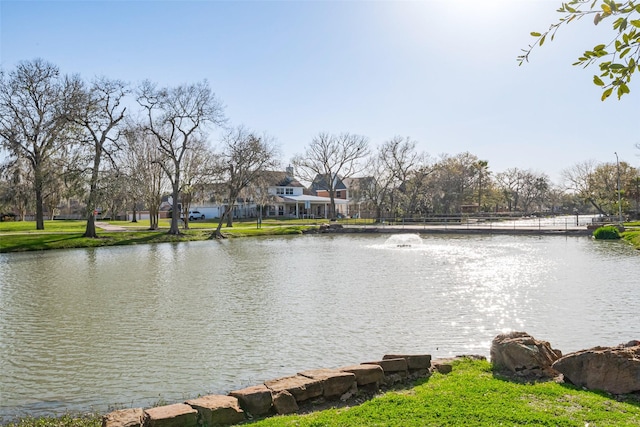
472 396
87 420
469 396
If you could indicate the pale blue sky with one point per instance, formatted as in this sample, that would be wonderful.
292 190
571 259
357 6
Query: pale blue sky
443 72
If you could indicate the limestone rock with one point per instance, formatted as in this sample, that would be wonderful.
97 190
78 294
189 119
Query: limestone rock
256 400
123 418
520 353
302 388
442 367
334 383
414 361
390 365
218 410
285 403
613 369
177 415
365 374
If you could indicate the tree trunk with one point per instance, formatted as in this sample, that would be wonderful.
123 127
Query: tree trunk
39 202
90 231
176 212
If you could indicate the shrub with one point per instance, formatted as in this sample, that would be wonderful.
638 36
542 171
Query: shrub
608 232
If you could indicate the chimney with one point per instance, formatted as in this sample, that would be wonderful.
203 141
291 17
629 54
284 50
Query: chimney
289 171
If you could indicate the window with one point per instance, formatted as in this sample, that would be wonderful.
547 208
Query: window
338 193
289 190
279 190
280 210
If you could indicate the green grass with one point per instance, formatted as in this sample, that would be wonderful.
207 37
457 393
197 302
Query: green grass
472 396
87 420
469 396
22 236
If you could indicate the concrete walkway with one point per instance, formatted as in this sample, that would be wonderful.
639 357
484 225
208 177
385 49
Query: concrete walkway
109 227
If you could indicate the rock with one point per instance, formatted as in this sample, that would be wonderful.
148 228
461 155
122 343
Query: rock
391 366
612 369
217 410
442 367
177 415
334 383
285 403
365 374
302 388
414 361
256 400
123 418
520 353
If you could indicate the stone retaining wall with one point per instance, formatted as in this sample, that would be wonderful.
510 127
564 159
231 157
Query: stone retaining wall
283 395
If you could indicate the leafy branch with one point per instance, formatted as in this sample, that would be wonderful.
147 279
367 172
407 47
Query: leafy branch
619 58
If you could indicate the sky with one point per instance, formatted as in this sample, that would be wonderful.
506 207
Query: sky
442 72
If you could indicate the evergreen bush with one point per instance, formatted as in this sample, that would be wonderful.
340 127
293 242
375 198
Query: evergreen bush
608 232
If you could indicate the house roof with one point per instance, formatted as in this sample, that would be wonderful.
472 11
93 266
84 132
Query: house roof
321 182
280 179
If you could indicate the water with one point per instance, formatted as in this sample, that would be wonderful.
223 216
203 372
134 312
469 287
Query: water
131 326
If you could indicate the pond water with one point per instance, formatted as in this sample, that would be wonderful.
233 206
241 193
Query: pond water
132 326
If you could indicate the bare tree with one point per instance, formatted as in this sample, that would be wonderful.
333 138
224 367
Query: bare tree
597 183
388 169
17 189
141 161
101 112
199 171
35 102
176 117
243 158
330 158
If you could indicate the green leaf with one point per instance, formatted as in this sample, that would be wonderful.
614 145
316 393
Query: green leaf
541 42
535 34
598 81
624 52
606 9
606 94
599 47
616 67
635 23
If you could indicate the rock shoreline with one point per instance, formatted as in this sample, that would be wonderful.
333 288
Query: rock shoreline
304 392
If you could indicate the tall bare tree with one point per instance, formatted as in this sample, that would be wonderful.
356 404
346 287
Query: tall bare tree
332 157
176 117
141 160
388 169
199 172
35 103
244 157
101 112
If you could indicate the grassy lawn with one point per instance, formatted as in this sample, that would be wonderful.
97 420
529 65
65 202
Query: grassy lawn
20 236
632 233
469 396
472 396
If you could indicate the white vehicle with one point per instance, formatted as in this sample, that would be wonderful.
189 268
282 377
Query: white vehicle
195 215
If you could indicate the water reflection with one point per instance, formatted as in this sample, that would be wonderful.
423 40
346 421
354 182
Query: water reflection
133 325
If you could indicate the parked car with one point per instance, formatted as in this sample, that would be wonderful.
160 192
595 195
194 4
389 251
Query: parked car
194 215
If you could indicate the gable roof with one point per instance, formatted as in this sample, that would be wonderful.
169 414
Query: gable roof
321 182
280 179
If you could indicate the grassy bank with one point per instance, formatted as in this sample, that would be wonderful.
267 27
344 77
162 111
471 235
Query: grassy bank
632 235
21 236
469 396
